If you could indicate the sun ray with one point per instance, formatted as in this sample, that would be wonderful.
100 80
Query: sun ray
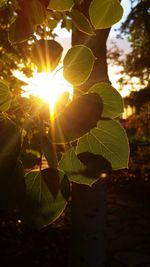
48 86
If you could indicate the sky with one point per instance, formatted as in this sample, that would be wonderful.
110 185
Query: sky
123 44
126 6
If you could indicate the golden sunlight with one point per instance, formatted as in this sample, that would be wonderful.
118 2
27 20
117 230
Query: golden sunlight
48 86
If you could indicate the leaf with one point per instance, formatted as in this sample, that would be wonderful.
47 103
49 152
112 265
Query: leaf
96 165
104 13
60 5
61 103
78 64
15 4
65 188
5 96
74 168
30 14
3 2
78 118
52 23
111 99
109 140
46 54
40 207
52 180
49 151
82 22
16 34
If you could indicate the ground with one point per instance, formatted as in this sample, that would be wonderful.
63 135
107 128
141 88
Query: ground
128 233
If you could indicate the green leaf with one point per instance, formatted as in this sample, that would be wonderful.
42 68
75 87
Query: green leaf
51 177
109 140
40 207
82 22
105 13
111 99
78 64
61 5
78 118
96 165
46 54
3 2
52 23
30 14
49 151
74 168
5 96
65 188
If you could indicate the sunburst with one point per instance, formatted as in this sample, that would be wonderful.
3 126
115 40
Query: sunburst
48 86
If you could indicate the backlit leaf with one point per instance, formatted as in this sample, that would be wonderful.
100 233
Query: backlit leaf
52 23
16 34
78 118
74 168
52 180
65 188
46 54
82 22
109 140
30 14
112 100
60 5
49 151
96 165
40 207
5 96
78 64
3 2
105 13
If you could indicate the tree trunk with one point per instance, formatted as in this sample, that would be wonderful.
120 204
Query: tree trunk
89 203
88 225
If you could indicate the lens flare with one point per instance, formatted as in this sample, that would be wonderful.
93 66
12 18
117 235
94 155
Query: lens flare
48 86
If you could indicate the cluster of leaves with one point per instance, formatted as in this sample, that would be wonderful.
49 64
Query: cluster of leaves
138 98
140 157
137 125
87 129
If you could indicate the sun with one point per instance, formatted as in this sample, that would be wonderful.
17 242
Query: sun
48 86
